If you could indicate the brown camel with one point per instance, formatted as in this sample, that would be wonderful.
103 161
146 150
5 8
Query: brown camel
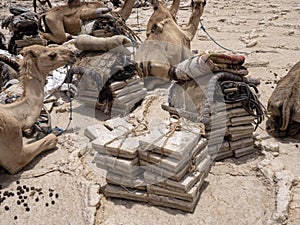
167 43
67 18
162 12
284 105
37 63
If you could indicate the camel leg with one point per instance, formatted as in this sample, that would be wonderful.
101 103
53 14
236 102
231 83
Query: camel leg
57 29
14 155
30 151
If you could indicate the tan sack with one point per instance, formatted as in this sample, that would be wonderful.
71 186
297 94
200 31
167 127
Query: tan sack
87 42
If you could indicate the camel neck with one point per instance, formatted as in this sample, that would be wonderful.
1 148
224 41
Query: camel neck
27 109
193 23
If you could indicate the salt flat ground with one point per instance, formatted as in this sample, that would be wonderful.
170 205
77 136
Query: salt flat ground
258 189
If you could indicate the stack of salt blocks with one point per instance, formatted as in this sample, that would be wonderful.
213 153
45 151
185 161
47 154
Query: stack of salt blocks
231 131
117 154
175 166
163 167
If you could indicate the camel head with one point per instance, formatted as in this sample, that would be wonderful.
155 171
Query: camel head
161 12
39 60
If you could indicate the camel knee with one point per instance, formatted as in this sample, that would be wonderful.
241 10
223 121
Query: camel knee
57 38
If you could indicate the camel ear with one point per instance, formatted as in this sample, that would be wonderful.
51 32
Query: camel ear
28 52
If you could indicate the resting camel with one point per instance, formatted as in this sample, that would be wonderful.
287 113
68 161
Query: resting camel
284 105
15 117
167 43
67 18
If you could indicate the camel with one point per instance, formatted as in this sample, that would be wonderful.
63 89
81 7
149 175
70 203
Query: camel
67 18
284 105
167 43
38 61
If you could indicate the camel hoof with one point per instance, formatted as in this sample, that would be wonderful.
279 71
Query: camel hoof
51 141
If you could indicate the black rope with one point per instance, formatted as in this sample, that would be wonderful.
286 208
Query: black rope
211 38
241 92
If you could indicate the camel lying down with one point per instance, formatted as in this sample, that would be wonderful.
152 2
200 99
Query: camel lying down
37 63
284 105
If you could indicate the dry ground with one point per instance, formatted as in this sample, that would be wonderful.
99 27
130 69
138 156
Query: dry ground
258 189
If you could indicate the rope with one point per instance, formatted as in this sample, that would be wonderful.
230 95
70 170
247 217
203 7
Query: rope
240 92
211 38
138 21
57 131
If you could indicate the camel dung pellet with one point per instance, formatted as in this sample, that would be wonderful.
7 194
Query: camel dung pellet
27 209
6 208
32 188
37 199
22 200
27 189
25 204
50 194
18 182
18 202
56 195
15 218
46 204
25 197
20 196
52 202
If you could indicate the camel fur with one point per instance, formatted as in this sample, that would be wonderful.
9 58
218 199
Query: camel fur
167 43
67 18
284 104
18 116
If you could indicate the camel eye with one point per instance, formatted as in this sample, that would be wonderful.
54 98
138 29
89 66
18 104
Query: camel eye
53 55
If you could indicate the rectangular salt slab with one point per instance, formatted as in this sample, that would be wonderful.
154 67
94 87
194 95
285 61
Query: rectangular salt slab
239 129
176 145
186 196
244 151
118 122
238 136
116 179
97 130
130 97
217 107
165 173
241 143
185 183
237 112
120 166
237 121
126 148
167 162
115 191
133 98
174 203
223 155
128 89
